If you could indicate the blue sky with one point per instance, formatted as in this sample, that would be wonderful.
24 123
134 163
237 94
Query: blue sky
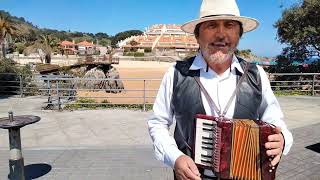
113 16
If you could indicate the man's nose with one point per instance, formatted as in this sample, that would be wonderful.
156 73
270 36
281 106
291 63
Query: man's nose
221 32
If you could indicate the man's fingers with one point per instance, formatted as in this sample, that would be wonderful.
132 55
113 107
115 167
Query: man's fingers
274 152
186 169
193 168
190 175
181 176
194 172
274 137
275 160
273 145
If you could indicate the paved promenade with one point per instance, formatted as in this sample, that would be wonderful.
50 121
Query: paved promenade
114 144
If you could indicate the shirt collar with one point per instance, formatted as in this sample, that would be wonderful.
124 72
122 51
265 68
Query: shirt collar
200 63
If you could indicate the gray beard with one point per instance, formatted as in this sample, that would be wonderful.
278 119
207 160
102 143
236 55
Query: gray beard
218 57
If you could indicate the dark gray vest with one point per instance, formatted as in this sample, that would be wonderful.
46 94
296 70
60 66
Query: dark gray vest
186 100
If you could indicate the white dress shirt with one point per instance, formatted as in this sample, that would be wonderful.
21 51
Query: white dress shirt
220 89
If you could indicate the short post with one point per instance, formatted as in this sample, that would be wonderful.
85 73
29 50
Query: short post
144 95
16 164
313 84
21 85
13 124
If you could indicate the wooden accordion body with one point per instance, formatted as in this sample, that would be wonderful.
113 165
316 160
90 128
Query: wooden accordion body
233 149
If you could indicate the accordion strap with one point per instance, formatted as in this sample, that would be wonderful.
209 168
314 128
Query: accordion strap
211 102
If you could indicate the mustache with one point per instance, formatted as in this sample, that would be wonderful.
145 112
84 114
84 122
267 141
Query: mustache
230 50
220 42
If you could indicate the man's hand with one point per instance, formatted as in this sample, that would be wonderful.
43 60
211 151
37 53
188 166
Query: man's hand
275 146
185 168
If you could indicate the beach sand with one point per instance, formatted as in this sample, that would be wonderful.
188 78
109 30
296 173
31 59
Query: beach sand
152 71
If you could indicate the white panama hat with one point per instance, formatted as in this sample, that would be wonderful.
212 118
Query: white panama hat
220 10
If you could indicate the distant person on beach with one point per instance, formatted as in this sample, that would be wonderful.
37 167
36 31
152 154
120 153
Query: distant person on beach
218 31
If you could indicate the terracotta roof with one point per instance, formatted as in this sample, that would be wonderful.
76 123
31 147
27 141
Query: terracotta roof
66 43
85 43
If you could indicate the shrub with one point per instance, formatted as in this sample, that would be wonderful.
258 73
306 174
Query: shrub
292 93
147 50
10 80
138 54
135 54
20 47
90 104
82 103
8 66
128 54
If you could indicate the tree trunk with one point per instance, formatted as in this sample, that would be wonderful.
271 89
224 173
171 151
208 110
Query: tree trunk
3 49
48 58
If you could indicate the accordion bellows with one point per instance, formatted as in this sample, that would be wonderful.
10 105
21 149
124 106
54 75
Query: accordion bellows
233 149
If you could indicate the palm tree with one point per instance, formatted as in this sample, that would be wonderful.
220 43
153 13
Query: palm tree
50 45
44 46
7 29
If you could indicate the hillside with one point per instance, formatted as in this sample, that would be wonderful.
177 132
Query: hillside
28 33
25 28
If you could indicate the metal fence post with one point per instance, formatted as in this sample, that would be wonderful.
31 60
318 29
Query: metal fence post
144 95
313 84
58 95
49 93
21 85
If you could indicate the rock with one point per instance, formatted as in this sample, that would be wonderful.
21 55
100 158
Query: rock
93 84
114 86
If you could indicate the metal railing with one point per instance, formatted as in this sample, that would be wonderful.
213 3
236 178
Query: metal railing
68 91
298 82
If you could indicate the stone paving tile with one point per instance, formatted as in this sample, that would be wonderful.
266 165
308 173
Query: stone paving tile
132 161
138 162
301 163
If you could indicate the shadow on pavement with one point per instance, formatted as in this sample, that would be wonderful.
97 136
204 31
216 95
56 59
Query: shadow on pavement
314 147
34 171
5 96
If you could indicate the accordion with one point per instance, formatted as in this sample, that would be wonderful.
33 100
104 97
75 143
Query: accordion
233 149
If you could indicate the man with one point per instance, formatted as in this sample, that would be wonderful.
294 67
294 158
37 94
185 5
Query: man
217 31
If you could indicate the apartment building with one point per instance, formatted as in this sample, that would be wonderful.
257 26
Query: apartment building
164 39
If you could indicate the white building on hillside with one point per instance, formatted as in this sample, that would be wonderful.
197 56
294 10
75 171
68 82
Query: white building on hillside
163 39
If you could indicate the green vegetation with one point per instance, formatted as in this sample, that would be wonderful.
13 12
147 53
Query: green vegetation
27 38
292 93
147 50
10 76
20 47
299 28
7 29
123 35
246 53
86 103
135 54
8 66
